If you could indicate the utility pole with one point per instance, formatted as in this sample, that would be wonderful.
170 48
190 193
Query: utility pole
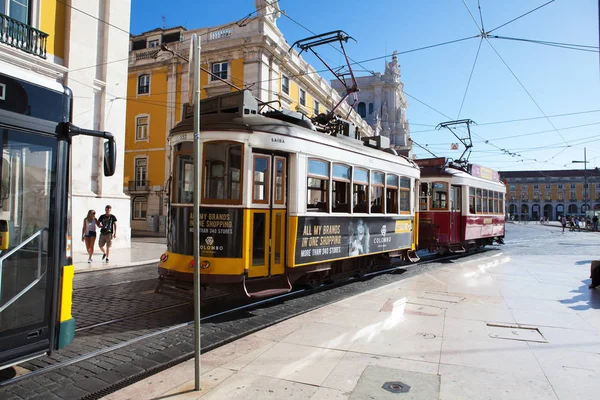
585 188
194 99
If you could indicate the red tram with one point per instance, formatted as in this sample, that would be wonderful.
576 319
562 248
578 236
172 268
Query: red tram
460 207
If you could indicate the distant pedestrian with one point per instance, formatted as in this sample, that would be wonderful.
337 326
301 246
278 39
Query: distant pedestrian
88 233
563 222
108 231
595 223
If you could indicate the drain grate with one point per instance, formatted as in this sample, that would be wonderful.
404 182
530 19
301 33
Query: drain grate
516 332
396 387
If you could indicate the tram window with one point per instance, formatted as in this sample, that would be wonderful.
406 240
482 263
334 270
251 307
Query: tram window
491 202
404 195
496 197
341 188
478 200
222 172
501 203
377 184
318 186
279 180
261 174
391 206
424 196
185 179
484 200
439 199
360 202
472 200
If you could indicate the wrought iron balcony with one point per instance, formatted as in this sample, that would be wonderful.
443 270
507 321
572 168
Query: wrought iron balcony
139 186
22 36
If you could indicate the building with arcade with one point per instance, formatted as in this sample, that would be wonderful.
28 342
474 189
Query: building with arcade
531 195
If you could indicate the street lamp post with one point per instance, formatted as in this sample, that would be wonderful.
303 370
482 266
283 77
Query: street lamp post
585 188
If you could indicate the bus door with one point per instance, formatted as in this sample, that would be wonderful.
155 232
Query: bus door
268 215
28 182
455 214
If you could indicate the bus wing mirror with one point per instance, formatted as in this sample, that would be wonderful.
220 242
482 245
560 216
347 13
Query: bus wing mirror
110 157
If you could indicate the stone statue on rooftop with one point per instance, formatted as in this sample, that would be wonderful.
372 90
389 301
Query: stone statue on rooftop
268 9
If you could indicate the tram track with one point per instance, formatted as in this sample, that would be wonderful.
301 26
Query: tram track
235 313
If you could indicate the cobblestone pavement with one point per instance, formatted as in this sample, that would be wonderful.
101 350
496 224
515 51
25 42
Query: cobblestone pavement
106 295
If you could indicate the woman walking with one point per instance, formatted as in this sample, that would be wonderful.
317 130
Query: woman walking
88 233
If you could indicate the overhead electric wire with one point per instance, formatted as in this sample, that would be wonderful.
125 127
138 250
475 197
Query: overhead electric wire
470 77
526 91
520 16
571 46
472 16
238 22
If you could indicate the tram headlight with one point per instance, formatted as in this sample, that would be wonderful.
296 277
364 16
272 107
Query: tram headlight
203 265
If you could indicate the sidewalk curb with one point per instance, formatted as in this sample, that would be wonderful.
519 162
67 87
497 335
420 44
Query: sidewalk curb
110 267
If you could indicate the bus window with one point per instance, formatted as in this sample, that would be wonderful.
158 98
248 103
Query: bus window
222 177
404 195
439 199
377 185
318 186
472 200
360 202
341 188
391 205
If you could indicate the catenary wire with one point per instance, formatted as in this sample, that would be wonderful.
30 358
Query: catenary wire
520 16
469 81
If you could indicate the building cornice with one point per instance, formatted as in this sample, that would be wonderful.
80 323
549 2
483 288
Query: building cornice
32 63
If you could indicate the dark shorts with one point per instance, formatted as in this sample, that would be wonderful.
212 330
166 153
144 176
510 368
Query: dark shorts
91 234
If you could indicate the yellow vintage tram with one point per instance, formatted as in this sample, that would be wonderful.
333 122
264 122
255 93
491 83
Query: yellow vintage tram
283 200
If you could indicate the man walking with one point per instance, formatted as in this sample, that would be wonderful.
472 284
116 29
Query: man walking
108 231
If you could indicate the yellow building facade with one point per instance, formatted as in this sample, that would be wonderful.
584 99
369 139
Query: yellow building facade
254 56
531 195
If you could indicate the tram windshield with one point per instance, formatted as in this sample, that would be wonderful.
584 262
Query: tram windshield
27 188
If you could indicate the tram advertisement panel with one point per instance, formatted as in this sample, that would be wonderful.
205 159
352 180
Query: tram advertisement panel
221 232
327 238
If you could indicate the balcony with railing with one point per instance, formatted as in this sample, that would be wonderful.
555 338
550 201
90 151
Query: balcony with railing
22 36
138 186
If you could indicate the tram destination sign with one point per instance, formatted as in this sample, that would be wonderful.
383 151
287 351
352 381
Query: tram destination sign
330 238
484 173
221 232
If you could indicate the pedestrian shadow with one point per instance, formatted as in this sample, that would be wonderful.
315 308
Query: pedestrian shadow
584 262
589 297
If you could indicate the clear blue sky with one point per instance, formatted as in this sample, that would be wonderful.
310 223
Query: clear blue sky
559 80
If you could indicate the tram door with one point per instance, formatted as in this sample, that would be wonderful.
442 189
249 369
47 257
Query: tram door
455 214
269 194
27 183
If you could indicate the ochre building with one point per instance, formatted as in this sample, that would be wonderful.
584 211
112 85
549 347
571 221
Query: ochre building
533 194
